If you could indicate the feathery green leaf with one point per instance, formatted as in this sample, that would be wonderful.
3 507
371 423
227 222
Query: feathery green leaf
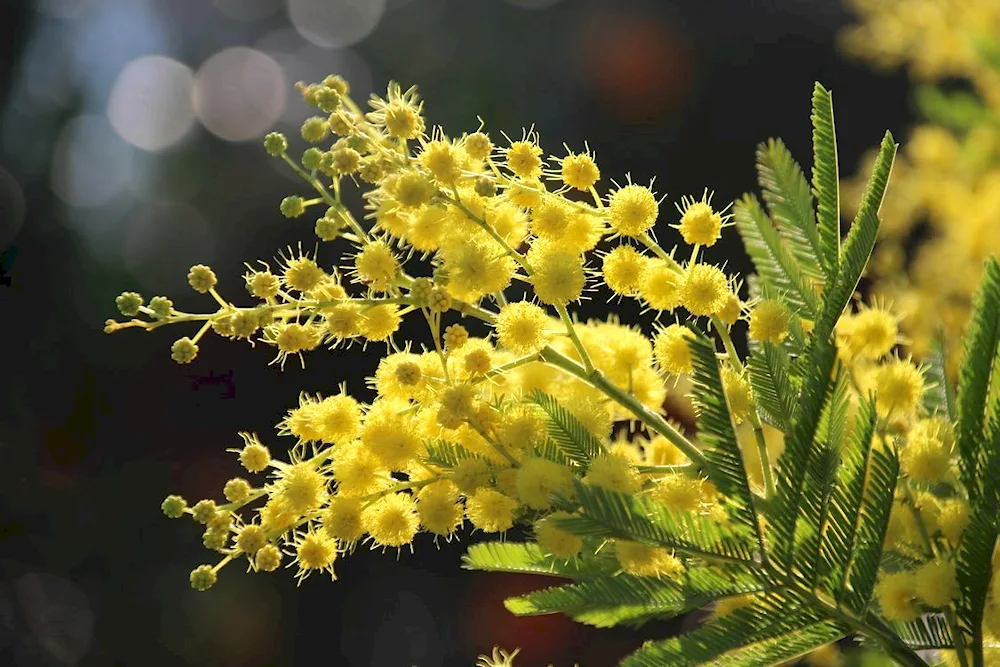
569 433
826 178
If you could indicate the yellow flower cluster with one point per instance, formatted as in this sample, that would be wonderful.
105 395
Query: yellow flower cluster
454 433
946 183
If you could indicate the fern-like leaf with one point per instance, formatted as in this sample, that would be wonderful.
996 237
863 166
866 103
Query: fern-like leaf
981 343
715 430
613 514
769 367
631 600
873 519
787 195
446 454
770 617
826 178
845 502
569 433
929 631
777 268
529 558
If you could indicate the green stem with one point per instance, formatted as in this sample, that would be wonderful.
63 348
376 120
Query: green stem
588 365
656 422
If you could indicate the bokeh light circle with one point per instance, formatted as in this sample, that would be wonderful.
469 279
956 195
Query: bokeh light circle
150 102
337 23
91 165
239 93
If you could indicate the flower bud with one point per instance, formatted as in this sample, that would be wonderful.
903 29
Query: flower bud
201 278
161 307
275 144
203 577
293 207
174 506
129 303
184 350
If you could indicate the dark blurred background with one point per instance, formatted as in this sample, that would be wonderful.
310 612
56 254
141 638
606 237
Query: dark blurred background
130 149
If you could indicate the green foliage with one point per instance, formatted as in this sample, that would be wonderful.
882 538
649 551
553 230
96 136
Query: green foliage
568 433
805 560
826 178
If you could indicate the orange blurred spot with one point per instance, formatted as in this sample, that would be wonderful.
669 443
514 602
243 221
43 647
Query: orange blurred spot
639 66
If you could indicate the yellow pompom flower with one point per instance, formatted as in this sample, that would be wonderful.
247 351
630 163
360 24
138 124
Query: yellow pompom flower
769 321
341 520
443 159
357 471
679 492
737 391
557 275
870 333
376 266
337 419
490 510
705 289
439 508
554 540
426 228
392 520
936 583
522 327
825 656
623 270
925 458
953 519
477 145
315 551
660 451
699 225
390 436
646 561
537 478
379 322
550 219
521 428
899 386
661 285
579 171
632 210
731 311
470 474
671 349
300 487
613 472
523 158
896 594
